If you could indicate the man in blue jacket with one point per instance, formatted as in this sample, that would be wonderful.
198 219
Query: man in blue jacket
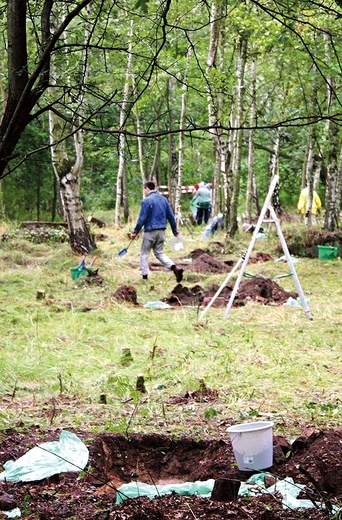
154 214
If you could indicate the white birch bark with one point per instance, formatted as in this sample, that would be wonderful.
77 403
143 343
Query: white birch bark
250 158
220 141
236 122
333 184
123 113
181 140
68 174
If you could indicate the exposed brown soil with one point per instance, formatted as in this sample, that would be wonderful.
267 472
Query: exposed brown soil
313 460
126 293
256 289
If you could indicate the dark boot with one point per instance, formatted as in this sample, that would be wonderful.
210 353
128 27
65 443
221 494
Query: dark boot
178 273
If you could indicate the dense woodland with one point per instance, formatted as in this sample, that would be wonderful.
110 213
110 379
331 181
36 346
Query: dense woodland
98 96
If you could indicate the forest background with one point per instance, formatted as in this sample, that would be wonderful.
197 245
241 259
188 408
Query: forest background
99 96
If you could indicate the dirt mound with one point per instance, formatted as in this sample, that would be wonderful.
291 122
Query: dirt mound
206 263
262 290
255 289
259 257
126 293
312 460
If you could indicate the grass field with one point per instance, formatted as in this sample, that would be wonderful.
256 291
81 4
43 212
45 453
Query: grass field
62 356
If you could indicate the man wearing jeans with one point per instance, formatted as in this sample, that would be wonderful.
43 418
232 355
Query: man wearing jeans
154 214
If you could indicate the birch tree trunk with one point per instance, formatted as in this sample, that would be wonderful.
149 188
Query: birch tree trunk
140 141
274 170
250 158
236 122
120 192
173 162
69 175
333 185
181 140
220 141
309 171
69 179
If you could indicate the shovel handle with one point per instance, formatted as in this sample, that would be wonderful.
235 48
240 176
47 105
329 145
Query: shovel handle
92 261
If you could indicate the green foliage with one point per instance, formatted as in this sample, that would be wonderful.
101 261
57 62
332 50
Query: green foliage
209 413
285 84
143 5
38 236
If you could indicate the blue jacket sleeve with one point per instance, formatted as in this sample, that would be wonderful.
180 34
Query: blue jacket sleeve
142 219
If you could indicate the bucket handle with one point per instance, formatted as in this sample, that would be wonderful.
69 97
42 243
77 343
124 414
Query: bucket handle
232 439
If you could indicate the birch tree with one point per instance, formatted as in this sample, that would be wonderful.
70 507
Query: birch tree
219 138
237 114
121 194
334 179
68 173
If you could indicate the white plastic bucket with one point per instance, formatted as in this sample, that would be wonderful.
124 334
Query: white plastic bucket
252 445
177 243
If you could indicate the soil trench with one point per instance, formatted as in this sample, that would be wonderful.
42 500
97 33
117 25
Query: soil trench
312 460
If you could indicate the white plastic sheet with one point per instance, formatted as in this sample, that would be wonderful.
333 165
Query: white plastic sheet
47 459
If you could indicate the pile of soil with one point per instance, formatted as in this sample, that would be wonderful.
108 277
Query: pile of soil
206 263
126 293
256 289
312 460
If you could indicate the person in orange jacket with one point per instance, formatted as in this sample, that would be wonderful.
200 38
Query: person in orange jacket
303 208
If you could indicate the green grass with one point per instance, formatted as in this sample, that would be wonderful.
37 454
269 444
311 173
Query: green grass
61 355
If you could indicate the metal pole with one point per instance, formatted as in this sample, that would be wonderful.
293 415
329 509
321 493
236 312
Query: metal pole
235 268
290 263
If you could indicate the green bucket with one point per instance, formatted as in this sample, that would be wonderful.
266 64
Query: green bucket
76 272
327 252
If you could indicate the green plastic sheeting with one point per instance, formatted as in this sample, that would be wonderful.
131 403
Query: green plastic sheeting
292 302
138 489
14 513
47 459
157 305
254 486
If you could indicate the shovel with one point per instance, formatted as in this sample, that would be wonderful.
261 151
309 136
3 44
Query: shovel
125 249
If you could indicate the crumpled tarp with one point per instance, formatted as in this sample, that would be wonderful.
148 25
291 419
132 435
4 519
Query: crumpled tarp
292 302
139 489
255 485
47 459
157 305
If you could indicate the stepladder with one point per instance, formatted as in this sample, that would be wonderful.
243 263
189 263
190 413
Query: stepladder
243 261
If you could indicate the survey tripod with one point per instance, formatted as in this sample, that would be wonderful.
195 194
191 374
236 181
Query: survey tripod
243 261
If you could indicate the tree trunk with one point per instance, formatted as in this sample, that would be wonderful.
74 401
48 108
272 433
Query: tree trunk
333 183
69 176
69 179
120 182
215 100
250 158
181 141
155 171
309 173
274 170
140 141
173 162
236 122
